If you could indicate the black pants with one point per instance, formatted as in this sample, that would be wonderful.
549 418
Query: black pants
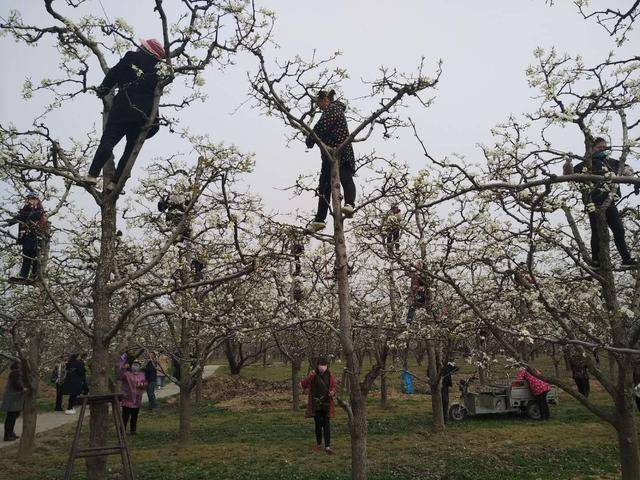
583 385
9 424
324 188
638 403
445 402
133 414
543 406
113 133
29 257
72 401
322 421
392 238
59 396
617 228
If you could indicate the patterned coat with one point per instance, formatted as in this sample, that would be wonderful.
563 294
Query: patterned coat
332 129
306 384
537 386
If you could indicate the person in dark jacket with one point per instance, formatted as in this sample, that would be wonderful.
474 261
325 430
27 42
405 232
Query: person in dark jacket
32 230
418 293
321 386
136 78
74 381
12 401
57 377
332 129
601 164
447 382
580 374
151 376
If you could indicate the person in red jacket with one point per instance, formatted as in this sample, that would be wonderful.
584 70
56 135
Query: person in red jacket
539 389
321 387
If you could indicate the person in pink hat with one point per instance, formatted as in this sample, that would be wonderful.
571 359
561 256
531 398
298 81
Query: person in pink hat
136 79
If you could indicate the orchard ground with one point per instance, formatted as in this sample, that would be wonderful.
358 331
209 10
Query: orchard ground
244 428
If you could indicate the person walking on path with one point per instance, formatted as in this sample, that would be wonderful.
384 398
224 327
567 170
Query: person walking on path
332 129
74 381
136 78
133 385
57 377
321 387
580 374
12 401
151 376
539 389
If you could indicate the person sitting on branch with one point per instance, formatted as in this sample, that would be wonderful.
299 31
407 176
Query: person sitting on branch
602 164
332 130
136 78
32 233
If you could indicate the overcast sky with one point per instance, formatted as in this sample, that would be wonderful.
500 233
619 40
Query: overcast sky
485 46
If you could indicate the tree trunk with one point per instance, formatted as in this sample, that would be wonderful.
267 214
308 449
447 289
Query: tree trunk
436 389
229 352
198 387
296 365
358 432
384 392
627 432
186 383
99 419
29 410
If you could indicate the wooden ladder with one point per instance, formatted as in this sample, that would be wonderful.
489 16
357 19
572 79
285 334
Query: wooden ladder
121 447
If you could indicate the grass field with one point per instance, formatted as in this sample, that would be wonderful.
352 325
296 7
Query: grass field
258 436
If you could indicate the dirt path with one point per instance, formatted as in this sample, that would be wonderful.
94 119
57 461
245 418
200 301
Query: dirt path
51 420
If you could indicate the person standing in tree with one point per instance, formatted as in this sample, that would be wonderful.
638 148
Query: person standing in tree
580 374
321 387
539 389
58 376
602 164
12 401
133 384
392 229
136 78
332 130
151 376
418 293
74 381
32 230
447 382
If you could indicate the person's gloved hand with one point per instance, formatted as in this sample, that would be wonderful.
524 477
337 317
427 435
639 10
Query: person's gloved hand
309 142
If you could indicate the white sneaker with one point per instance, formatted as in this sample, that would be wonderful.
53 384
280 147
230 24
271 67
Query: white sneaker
70 412
348 210
317 226
90 179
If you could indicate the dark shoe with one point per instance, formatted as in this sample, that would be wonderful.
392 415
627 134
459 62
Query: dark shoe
10 439
630 262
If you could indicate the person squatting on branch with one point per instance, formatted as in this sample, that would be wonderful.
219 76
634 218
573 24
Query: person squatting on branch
602 164
332 129
539 389
12 401
32 234
136 78
321 387
133 385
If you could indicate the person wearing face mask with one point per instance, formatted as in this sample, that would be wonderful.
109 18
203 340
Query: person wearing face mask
133 385
602 164
332 129
32 229
321 387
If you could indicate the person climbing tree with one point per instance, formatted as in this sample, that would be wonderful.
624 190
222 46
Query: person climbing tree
418 293
332 129
136 78
321 386
173 206
447 382
602 164
32 234
391 237
197 268
580 373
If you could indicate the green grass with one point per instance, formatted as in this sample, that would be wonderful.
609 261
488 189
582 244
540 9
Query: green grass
273 443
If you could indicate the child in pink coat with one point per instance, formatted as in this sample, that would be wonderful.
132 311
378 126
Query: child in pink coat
133 385
539 389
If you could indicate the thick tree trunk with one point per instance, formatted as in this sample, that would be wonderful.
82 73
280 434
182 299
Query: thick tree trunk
198 387
29 411
230 353
186 383
384 388
99 419
627 432
296 365
358 432
436 388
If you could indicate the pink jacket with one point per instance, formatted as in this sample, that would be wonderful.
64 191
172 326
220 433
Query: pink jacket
537 386
133 385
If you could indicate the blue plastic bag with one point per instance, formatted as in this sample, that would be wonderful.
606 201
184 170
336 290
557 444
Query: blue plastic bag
407 382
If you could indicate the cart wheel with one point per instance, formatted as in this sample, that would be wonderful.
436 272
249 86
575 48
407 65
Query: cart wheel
457 412
533 411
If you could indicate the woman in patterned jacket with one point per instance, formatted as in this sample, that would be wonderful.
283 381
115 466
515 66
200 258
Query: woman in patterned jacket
332 130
